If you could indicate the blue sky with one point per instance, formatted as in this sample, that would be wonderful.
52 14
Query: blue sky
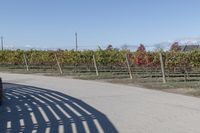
52 23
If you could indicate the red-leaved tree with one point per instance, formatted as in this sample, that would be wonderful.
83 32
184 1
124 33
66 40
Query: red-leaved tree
175 47
140 57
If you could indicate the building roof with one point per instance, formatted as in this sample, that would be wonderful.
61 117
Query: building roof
190 47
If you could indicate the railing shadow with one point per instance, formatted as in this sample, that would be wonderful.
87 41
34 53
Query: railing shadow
30 109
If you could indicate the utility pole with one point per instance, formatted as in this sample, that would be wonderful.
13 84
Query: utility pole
76 37
2 43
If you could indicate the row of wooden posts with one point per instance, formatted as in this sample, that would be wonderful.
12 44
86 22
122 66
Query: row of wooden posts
96 68
161 65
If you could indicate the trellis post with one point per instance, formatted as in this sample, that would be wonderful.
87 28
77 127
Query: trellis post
95 65
162 68
58 63
25 61
128 65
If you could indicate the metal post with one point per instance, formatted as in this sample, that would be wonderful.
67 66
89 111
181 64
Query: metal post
2 43
76 40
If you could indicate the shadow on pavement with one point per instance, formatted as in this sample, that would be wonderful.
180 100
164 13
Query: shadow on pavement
30 109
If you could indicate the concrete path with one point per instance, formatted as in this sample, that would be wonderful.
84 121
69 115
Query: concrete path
129 109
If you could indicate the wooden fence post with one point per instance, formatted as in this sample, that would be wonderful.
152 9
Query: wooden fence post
128 65
58 63
95 65
162 68
25 61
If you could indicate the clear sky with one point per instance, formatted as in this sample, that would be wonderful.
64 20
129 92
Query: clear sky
52 23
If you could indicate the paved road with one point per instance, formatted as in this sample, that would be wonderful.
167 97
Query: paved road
128 109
